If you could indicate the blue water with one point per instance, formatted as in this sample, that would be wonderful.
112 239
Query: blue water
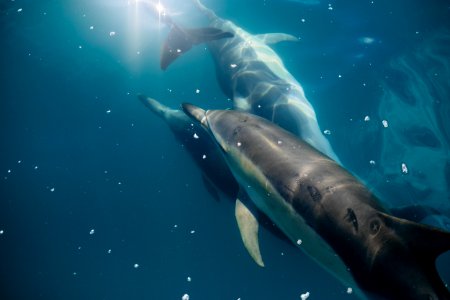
99 201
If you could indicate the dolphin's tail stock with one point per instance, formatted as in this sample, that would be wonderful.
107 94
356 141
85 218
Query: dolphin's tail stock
421 245
180 40
204 10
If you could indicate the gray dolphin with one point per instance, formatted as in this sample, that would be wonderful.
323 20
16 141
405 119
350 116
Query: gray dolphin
324 210
252 74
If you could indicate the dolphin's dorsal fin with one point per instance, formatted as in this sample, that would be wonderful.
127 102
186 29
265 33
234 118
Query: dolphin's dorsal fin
248 226
273 38
180 40
426 241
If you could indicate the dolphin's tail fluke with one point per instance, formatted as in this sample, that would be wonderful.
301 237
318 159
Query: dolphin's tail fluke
180 40
204 10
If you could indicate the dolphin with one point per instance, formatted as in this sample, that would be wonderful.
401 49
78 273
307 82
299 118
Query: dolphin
251 74
324 210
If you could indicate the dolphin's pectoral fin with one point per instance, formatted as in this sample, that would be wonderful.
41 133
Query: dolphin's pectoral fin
273 38
248 226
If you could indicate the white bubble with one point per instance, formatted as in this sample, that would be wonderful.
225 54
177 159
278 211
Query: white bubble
192 231
109 251
178 50
91 27
136 266
197 91
19 161
385 123
108 111
9 171
204 156
185 297
112 33
299 242
238 144
52 189
404 168
92 231
189 279
19 10
233 66
280 142
372 162
349 290
367 40
304 296
367 118
327 131
2 232
195 136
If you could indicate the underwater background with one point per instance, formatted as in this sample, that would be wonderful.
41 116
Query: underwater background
98 200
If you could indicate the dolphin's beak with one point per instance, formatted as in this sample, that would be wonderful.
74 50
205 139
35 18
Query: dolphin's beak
195 113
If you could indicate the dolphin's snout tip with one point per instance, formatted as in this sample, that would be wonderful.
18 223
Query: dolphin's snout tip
194 112
141 97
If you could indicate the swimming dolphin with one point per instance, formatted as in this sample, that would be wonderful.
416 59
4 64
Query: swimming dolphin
324 210
253 75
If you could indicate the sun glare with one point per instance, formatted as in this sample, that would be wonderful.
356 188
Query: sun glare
160 8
